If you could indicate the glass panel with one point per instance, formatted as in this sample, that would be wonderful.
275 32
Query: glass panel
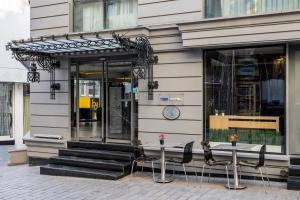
6 109
119 103
90 110
122 13
233 8
245 94
88 15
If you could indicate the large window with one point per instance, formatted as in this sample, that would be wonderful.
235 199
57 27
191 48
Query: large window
233 8
95 15
6 110
245 94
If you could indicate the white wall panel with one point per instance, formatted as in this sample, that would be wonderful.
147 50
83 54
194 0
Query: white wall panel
186 112
167 126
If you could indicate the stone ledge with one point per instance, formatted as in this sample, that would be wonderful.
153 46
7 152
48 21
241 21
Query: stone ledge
17 156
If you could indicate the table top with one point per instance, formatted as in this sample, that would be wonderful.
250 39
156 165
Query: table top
238 147
166 145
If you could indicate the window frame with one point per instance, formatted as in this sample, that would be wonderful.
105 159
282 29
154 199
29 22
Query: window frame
105 16
285 136
204 15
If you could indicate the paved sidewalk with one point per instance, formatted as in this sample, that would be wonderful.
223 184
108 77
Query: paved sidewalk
23 182
4 154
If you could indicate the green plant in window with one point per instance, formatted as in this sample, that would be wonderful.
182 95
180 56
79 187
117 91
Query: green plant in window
248 136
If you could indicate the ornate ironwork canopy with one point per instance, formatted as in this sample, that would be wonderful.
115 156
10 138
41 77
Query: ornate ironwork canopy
45 51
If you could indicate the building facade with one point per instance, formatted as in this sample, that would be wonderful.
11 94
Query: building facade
13 75
223 67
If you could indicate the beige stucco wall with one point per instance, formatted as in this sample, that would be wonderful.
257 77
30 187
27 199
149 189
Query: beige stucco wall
247 30
179 71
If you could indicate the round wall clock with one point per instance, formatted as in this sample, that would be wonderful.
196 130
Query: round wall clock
171 112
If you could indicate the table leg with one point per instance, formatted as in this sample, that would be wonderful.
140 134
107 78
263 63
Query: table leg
236 184
163 168
162 165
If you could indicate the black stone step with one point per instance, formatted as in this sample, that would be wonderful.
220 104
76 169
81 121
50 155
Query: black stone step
102 146
294 170
99 154
293 183
294 160
62 170
110 165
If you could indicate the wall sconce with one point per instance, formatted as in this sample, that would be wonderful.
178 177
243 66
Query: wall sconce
153 85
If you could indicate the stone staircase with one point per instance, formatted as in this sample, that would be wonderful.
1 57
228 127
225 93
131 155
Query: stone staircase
293 181
91 160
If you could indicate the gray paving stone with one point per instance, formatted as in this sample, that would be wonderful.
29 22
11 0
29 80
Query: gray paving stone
23 182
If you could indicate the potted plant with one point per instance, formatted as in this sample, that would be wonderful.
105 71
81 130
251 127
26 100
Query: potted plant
162 139
216 112
233 138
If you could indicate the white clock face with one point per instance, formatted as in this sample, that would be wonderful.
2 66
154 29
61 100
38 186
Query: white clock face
171 112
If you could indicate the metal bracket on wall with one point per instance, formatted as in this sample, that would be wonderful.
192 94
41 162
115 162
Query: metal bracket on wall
53 86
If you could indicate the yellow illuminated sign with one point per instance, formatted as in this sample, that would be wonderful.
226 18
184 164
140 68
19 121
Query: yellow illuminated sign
84 102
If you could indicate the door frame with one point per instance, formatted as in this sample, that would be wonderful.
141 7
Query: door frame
104 104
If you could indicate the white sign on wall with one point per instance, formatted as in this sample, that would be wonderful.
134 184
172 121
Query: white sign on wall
171 98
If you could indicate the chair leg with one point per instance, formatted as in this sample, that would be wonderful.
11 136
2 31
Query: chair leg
142 166
227 176
173 170
209 174
186 178
240 168
153 175
132 166
195 169
266 173
262 178
203 167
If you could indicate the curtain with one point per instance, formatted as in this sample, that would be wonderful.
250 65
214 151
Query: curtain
122 13
232 8
6 116
89 16
92 15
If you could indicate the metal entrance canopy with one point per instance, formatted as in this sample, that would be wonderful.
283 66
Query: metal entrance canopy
46 51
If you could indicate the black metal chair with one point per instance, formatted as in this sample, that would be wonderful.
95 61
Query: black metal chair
256 165
187 158
211 162
143 158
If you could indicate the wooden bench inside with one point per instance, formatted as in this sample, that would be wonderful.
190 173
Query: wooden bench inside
244 122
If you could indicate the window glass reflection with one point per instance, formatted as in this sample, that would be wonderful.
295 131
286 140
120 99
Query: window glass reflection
245 94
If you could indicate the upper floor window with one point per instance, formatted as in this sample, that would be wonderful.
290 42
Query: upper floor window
234 8
94 15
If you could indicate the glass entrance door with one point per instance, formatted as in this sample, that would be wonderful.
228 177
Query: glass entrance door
119 103
105 108
87 109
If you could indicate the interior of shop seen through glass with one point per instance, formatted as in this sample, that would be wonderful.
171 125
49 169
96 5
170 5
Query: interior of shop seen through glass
245 96
106 106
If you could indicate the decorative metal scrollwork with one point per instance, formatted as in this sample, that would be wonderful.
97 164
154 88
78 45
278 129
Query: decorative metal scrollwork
44 51
46 62
143 65
138 72
33 75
